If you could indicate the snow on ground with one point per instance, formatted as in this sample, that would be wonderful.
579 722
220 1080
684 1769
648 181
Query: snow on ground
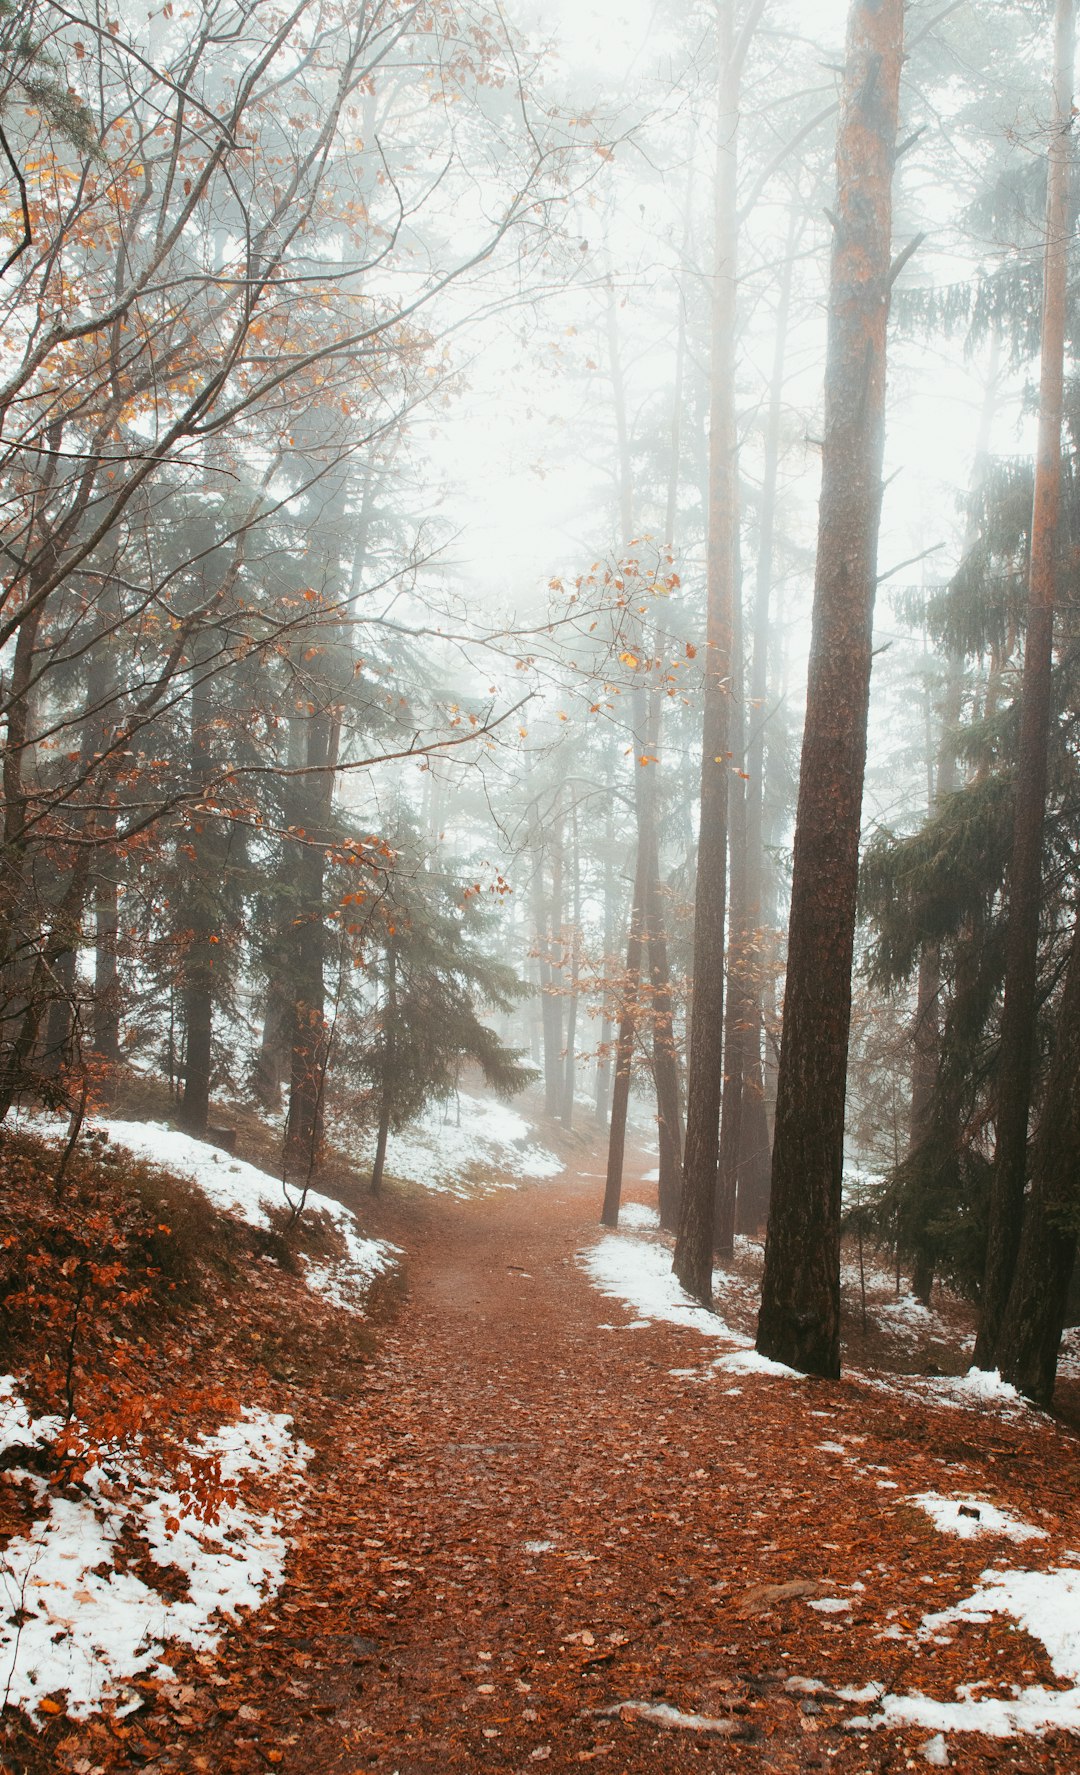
76 1619
634 1266
968 1517
638 1272
1044 1604
639 1216
747 1361
243 1190
466 1144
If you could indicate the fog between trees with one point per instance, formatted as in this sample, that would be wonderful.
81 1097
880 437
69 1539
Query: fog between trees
414 422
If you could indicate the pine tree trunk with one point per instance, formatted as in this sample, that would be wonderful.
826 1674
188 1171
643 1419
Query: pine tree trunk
739 995
665 1056
570 1061
1017 1046
1030 1335
545 924
309 1035
752 1200
107 994
200 906
799 1322
381 1140
624 1056
694 1245
603 1063
386 1098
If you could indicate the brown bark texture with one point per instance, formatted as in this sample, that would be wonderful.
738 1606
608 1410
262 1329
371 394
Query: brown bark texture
1016 1056
1030 1336
799 1321
705 1072
624 1053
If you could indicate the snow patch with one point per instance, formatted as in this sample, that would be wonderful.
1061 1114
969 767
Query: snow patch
639 1274
75 1621
1044 1604
663 1715
969 1517
750 1362
454 1149
982 1383
639 1216
249 1194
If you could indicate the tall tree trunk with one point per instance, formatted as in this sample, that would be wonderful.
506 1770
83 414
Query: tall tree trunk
202 905
665 1057
739 994
603 1061
1030 1335
570 1062
386 1098
624 1053
799 1322
927 1022
266 1078
107 989
550 1003
309 1035
694 1245
1016 1054
752 1202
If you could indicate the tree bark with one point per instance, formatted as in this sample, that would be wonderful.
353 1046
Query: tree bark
624 1055
739 995
1030 1335
665 1057
570 1058
1016 1053
752 1200
694 1245
799 1321
386 1097
309 1035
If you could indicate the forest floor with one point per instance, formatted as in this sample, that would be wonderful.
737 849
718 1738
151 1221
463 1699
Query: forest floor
538 1530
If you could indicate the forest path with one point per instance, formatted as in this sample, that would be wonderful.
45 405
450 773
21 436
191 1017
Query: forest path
526 1517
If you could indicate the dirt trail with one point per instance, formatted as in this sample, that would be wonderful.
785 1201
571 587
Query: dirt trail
527 1518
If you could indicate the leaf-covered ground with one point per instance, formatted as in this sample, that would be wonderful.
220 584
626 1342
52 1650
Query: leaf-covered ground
538 1533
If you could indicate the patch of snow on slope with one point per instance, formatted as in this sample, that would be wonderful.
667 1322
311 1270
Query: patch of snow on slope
638 1273
639 1216
1044 1604
750 1362
75 1622
968 1517
981 1383
452 1149
243 1190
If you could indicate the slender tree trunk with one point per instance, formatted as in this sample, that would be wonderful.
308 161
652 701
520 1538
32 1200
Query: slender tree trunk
1016 1054
799 1322
665 1056
202 906
624 1055
546 916
603 1063
1030 1335
266 1080
752 1201
309 1036
107 992
386 1099
569 1066
694 1245
739 995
